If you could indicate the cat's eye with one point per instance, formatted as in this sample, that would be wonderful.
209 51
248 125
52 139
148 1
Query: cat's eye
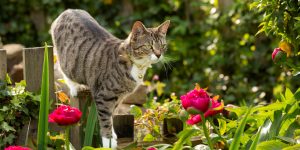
147 47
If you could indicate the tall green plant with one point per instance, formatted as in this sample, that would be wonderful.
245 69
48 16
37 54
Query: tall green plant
44 104
90 125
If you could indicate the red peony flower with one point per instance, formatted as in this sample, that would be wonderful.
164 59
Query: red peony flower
197 101
17 148
65 115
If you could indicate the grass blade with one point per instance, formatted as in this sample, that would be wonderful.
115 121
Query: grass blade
90 125
44 104
256 139
184 136
239 132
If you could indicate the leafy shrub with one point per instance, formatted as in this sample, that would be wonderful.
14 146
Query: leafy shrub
17 107
213 44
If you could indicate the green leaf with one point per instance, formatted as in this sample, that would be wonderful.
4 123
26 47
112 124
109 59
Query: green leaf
291 129
184 136
222 126
256 140
273 106
265 129
271 145
44 104
294 147
275 127
92 148
131 146
239 111
287 139
156 129
239 132
7 127
289 96
7 79
297 94
297 18
148 138
136 111
90 125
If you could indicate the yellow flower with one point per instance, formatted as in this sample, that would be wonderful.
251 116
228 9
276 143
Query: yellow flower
63 97
286 47
160 88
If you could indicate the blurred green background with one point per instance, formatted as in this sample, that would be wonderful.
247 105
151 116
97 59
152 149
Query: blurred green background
211 42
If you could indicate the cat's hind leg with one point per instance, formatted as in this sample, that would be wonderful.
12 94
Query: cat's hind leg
106 102
106 141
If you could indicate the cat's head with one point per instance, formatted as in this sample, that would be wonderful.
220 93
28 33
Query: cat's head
148 44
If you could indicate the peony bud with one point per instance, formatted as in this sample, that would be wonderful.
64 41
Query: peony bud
278 55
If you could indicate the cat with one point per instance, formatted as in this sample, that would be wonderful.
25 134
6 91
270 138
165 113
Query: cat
91 57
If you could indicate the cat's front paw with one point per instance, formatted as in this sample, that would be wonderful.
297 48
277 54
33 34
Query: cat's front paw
106 141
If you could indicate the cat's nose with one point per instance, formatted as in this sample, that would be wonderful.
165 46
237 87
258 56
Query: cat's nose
157 55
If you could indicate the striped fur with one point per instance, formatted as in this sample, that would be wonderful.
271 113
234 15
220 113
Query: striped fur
109 66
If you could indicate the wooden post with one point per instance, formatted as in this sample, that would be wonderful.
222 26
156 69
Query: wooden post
33 59
76 136
172 126
123 126
3 64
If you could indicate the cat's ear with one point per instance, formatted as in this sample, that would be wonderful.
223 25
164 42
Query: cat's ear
163 28
138 29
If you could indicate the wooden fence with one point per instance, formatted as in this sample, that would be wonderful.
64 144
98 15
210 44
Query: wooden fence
33 66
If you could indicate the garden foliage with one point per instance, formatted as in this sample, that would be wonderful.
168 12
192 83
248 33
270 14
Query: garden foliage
211 42
17 108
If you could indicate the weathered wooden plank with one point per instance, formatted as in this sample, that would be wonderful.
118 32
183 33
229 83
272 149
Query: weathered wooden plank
3 64
33 67
124 126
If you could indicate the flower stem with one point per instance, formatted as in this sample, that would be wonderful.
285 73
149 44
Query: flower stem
67 134
217 131
206 132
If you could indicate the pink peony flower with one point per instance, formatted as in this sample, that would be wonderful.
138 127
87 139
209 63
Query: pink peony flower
65 115
17 148
151 148
197 101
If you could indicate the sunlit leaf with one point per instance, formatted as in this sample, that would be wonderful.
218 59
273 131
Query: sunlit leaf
271 145
136 111
222 126
294 147
44 104
256 140
239 132
149 138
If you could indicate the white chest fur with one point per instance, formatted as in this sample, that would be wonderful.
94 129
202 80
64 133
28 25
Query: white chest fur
138 72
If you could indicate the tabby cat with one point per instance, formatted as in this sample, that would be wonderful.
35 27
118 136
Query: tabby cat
110 67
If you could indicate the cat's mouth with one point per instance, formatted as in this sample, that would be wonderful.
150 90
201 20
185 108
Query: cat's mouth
154 59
